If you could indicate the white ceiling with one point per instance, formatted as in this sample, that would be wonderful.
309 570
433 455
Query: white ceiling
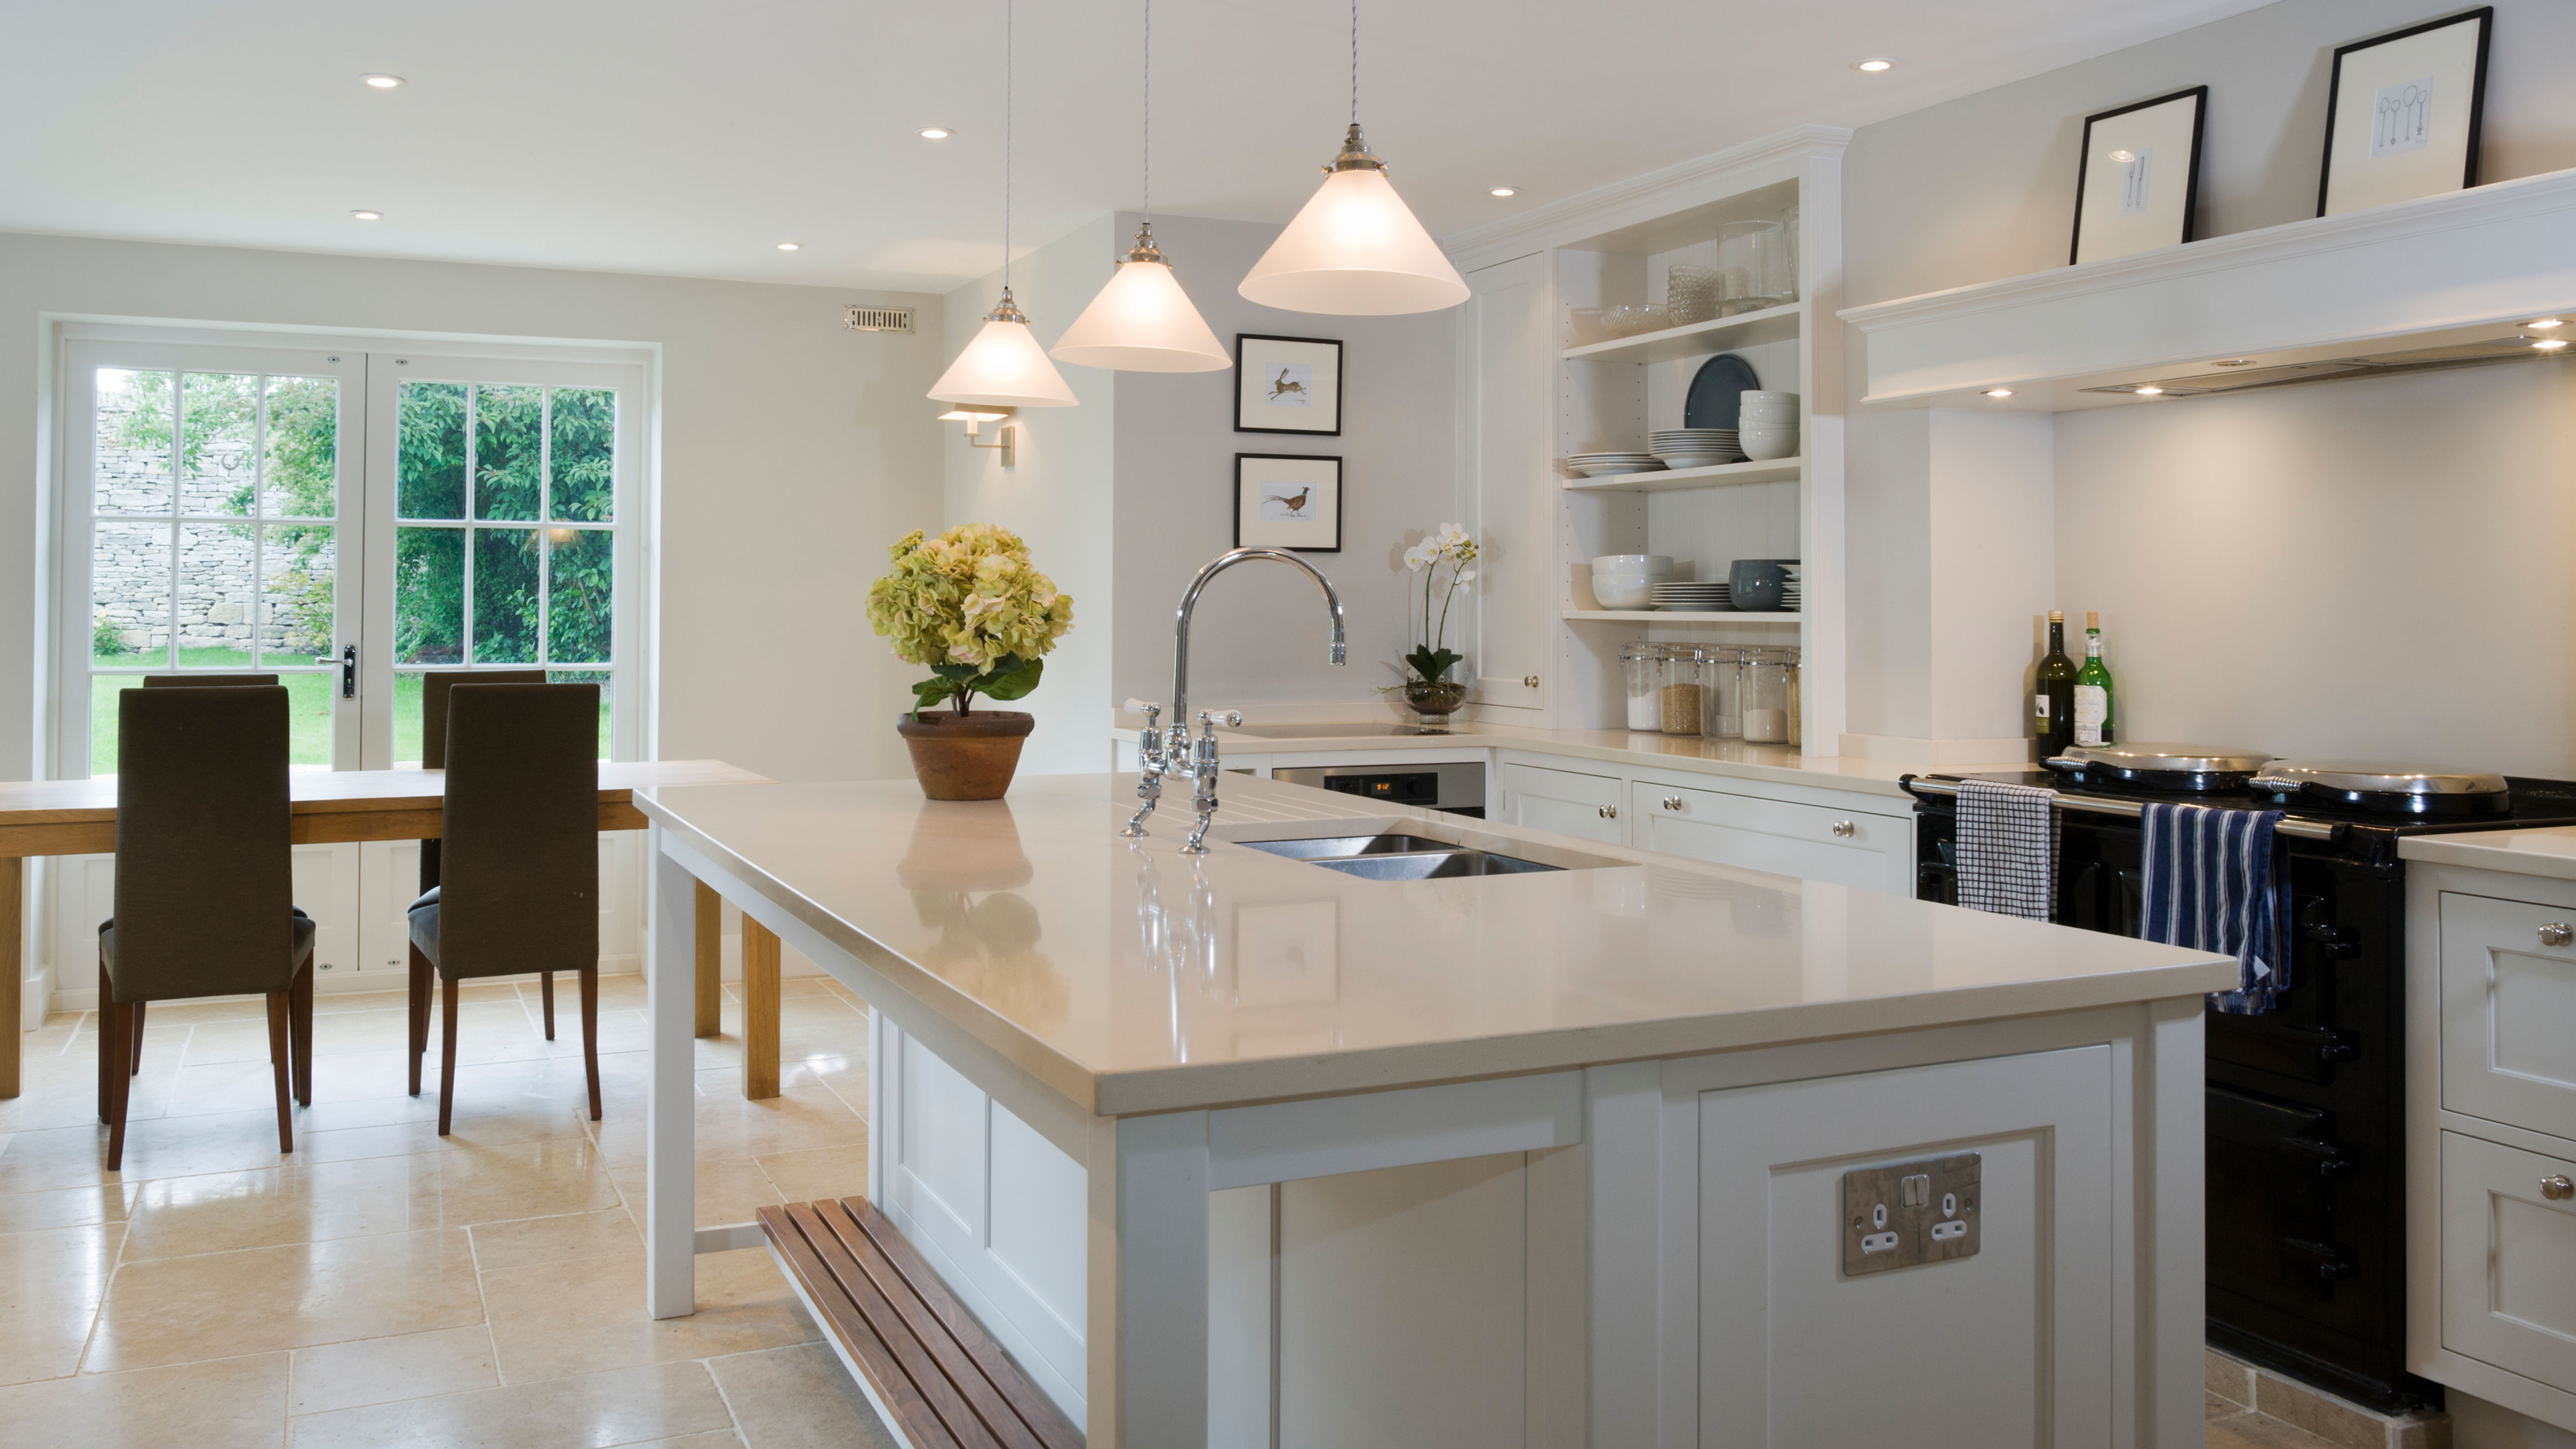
689 137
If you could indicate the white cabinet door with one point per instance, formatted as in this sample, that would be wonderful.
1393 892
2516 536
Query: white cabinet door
1564 801
2509 1012
2508 1260
2011 1346
1845 847
1512 486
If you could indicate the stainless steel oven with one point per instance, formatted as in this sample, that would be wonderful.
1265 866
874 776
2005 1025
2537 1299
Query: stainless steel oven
1457 787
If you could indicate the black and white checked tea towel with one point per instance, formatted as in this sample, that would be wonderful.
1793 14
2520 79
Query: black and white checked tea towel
2007 841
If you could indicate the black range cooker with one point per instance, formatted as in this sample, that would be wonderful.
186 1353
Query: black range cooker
2306 1103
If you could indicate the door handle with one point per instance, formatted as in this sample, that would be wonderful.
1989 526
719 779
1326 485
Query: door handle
2557 1188
348 662
1672 802
1607 812
1530 679
2556 934
1845 829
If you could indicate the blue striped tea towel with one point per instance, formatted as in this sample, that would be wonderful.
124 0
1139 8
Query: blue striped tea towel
2213 883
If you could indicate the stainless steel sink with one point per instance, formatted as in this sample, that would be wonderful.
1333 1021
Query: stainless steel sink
1397 856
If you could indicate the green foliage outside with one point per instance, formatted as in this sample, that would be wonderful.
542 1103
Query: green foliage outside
308 708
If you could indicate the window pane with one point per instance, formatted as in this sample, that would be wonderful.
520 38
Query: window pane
300 474
298 576
218 428
583 563
129 580
509 431
429 596
505 595
215 596
583 465
133 466
103 692
601 677
430 439
407 707
310 698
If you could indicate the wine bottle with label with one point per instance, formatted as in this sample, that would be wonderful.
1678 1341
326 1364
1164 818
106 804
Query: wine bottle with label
2054 703
2093 716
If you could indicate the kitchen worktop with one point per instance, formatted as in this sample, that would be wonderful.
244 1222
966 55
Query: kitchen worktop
2544 852
1129 978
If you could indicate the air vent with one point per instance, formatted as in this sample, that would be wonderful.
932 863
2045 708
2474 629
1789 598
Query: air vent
876 319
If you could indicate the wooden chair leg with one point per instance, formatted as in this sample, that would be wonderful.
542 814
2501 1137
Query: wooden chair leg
113 1049
134 1068
546 993
447 1056
420 981
590 1033
281 1058
759 1011
299 1022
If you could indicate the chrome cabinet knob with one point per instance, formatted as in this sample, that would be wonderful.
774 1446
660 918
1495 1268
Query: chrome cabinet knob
1845 829
2556 934
1672 802
2557 1188
1607 812
1530 679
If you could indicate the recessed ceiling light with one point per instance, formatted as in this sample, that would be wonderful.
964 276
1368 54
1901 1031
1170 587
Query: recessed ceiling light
934 133
2233 362
1874 63
2550 344
382 81
1999 392
1504 191
788 246
2124 157
363 214
2150 391
2548 322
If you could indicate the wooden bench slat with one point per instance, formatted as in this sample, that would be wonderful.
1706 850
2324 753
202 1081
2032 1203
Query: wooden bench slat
842 1320
928 1382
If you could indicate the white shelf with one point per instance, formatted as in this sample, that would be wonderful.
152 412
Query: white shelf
1744 329
1663 480
1683 616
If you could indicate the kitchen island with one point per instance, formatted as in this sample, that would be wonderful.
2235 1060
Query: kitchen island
1246 1149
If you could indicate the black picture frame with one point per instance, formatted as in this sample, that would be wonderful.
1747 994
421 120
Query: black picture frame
2484 16
2199 97
1325 471
1309 352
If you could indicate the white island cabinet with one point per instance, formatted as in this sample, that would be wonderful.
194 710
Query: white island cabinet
1247 1151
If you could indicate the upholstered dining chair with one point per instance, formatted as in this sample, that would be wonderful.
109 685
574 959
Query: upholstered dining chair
519 875
433 756
204 681
205 893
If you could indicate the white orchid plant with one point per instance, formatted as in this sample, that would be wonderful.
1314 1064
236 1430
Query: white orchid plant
1447 547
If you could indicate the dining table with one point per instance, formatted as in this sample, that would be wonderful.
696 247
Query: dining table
332 807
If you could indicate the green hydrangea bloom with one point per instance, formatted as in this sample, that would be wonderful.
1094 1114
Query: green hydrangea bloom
969 606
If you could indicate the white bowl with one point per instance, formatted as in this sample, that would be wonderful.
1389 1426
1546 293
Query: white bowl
1770 399
1768 417
1610 563
1621 594
1760 444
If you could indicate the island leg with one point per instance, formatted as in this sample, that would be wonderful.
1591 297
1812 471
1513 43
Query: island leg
1148 1283
670 1114
13 970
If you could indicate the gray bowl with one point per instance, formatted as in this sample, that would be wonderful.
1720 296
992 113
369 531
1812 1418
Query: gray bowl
1754 584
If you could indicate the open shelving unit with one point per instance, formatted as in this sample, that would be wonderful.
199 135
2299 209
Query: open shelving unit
1696 339
1665 480
1677 616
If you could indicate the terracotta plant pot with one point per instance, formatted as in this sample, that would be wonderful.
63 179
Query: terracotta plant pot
969 756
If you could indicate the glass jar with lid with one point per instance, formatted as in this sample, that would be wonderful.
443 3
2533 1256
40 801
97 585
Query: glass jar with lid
1641 667
1797 690
1725 677
1763 696
1685 691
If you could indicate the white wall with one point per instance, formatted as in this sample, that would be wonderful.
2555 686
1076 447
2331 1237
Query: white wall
791 452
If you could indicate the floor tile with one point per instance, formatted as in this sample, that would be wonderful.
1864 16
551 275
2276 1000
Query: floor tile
70 1207
383 1370
729 1190
260 1299
50 1285
298 1203
554 1320
634 1406
818 1172
798 1398
2253 1431
606 1234
234 1403
522 1180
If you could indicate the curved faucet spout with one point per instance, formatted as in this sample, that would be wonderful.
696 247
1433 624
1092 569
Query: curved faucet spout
1189 601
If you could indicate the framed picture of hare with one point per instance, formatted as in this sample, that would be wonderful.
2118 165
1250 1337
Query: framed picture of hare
1288 501
2403 114
2137 181
1287 385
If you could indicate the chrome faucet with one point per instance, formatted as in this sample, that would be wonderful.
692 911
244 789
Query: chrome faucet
1160 753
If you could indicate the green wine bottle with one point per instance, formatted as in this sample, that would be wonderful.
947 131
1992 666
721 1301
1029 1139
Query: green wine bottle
2054 704
2093 721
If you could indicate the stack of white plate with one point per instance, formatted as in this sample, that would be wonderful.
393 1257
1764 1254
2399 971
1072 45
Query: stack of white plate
1690 598
1790 592
1593 465
1695 447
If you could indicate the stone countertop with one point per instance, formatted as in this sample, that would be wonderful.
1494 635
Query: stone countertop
1779 764
2544 852
1130 978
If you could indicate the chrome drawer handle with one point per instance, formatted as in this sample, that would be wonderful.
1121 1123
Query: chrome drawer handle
2556 934
2557 1188
1672 802
1845 829
1607 812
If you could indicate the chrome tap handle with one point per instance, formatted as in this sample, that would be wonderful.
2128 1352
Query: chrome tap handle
1204 770
1149 766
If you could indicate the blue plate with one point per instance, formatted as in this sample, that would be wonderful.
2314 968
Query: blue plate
1717 392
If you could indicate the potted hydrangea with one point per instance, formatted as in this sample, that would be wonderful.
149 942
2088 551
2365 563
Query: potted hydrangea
970 607
1428 689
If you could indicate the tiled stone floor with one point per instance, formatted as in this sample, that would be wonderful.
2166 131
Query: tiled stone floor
385 1286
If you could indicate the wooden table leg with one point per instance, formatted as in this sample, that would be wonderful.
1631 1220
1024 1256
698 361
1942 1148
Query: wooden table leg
759 1010
710 961
13 969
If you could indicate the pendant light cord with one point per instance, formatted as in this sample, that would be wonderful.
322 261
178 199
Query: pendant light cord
1006 147
1149 110
1355 62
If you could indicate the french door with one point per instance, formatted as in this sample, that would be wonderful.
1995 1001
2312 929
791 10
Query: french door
240 509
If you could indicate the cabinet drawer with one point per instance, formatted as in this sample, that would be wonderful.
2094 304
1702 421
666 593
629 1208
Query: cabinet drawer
1845 847
1568 802
2508 1260
2509 1012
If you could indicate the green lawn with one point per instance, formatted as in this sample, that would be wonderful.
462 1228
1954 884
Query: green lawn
309 700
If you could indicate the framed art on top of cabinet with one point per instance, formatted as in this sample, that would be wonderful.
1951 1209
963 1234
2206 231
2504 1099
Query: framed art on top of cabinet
1287 385
2137 181
2403 113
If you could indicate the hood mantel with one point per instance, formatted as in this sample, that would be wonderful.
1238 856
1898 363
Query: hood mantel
2459 268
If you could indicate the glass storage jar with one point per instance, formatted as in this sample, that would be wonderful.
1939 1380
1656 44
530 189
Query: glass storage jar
1685 691
1763 696
1641 666
1725 683
1797 702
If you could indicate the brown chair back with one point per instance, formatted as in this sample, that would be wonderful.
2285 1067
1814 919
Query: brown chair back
204 681
433 734
205 896
521 828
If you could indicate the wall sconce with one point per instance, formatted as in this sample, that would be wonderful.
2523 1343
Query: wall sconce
975 415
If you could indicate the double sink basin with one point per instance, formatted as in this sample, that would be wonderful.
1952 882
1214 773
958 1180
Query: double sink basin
1395 855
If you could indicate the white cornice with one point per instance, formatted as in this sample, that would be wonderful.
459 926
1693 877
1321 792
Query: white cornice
1643 197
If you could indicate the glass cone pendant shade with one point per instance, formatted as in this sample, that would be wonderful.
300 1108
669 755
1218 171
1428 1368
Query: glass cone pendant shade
1143 322
1355 250
1004 366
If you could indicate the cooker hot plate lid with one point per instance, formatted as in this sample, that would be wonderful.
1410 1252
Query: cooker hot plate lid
2376 777
2161 757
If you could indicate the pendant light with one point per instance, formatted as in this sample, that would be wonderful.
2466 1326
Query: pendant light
1004 366
1142 321
1355 250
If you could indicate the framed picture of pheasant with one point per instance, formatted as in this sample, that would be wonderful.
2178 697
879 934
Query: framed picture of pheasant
1287 385
1288 501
